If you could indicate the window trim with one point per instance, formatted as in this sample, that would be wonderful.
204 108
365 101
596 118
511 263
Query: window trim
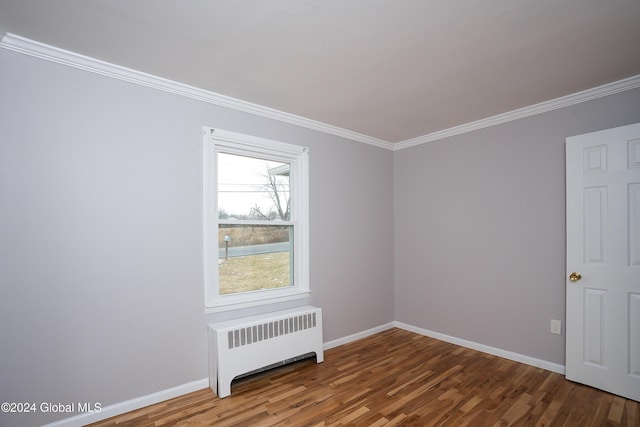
215 140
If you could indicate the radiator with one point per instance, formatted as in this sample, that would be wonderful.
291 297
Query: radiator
244 345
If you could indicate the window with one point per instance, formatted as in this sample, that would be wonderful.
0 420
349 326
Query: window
255 220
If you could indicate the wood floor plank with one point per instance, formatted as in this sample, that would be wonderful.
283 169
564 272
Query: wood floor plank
395 378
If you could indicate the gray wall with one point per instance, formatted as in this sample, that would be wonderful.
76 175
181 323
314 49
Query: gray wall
480 228
101 289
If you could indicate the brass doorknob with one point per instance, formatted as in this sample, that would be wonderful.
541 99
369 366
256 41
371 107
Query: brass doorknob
574 277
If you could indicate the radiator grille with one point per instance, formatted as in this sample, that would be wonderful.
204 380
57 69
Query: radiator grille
264 331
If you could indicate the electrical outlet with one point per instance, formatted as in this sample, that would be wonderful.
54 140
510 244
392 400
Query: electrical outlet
556 327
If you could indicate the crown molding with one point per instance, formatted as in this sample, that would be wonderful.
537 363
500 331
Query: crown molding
543 107
36 49
39 50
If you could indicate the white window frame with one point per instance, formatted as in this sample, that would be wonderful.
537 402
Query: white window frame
218 140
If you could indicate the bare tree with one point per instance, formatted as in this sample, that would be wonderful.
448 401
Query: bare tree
277 188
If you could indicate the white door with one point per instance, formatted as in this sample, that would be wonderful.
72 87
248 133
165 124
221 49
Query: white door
603 260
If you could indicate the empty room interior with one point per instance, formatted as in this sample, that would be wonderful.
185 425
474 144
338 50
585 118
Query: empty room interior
420 205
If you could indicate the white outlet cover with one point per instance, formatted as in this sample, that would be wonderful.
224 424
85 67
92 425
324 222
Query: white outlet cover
556 327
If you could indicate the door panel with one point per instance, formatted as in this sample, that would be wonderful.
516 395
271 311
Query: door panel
594 331
595 227
634 225
634 329
603 246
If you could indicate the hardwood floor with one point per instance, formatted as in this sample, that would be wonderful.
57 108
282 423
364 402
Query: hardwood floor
395 378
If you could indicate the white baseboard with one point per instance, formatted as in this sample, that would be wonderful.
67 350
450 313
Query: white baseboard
160 396
131 405
528 360
357 336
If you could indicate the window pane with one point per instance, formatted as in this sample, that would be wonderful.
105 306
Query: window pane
252 189
254 257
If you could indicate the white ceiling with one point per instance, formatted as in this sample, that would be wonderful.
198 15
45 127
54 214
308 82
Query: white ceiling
390 69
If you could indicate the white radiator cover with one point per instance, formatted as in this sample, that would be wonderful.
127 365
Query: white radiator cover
243 345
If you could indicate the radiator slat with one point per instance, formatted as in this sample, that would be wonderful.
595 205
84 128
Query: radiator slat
255 333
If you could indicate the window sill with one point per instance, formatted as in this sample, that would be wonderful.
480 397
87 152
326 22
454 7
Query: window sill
245 303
